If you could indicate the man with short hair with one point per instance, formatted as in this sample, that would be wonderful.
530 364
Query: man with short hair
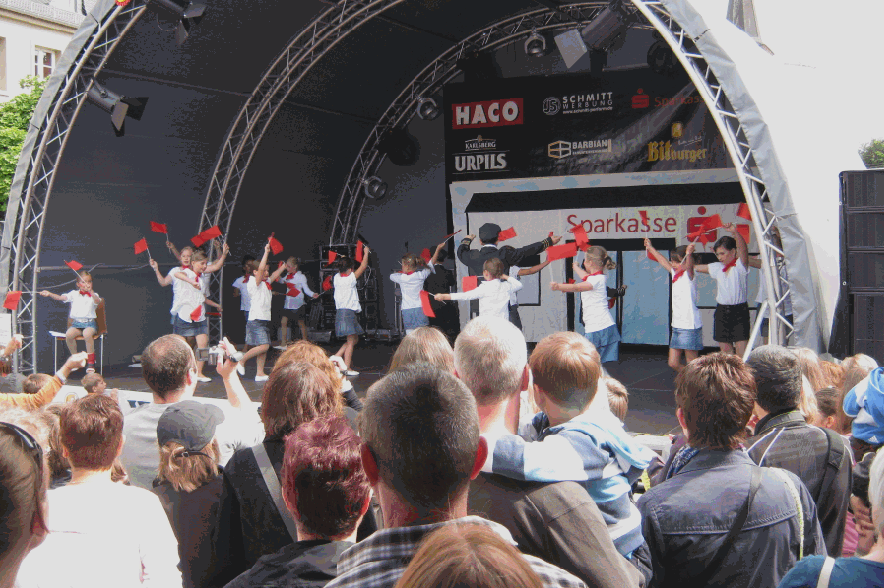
170 370
718 519
558 522
783 439
421 447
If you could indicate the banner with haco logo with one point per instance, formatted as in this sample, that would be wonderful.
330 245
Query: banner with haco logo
630 121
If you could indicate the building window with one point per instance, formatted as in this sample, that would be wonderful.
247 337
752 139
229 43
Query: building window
44 62
2 64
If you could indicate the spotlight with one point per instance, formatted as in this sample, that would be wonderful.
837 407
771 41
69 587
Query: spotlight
374 187
118 106
610 23
190 16
535 46
427 109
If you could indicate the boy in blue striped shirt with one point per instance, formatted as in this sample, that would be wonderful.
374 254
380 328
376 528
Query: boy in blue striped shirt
577 441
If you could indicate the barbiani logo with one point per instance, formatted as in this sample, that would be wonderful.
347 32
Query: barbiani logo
487 113
563 149
579 103
488 160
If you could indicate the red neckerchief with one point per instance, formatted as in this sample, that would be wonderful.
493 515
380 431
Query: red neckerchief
677 276
267 283
290 276
595 274
730 265
408 273
344 275
198 274
85 293
184 267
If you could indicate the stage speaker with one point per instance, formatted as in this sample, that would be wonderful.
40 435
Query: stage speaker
571 46
399 147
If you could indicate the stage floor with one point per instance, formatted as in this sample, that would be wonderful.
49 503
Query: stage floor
645 374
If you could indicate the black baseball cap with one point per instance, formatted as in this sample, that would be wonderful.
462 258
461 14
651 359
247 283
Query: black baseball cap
489 232
190 423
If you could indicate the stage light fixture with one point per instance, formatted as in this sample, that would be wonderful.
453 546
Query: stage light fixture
661 59
535 46
190 16
118 106
427 109
374 187
597 37
477 67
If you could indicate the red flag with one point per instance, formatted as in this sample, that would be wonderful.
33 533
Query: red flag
197 241
571 280
158 228
12 299
211 233
551 233
507 234
327 284
447 237
425 304
651 255
561 251
140 246
359 247
275 245
425 255
292 291
644 216
744 232
197 313
612 302
743 211
470 283
332 256
580 237
712 223
76 266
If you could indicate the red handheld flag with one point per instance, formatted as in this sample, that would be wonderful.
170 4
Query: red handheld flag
743 230
447 237
197 240
611 302
158 228
425 304
743 211
197 314
359 247
425 255
327 284
292 291
580 237
12 299
650 255
571 280
211 233
561 251
275 246
76 266
470 283
140 246
332 256
712 223
644 216
507 234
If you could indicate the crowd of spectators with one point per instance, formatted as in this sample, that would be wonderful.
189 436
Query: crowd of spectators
476 464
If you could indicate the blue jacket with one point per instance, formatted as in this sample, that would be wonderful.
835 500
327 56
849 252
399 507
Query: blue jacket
686 519
865 403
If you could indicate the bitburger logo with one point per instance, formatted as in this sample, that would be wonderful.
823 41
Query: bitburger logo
563 149
551 106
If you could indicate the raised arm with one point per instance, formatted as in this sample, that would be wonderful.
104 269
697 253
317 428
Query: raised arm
53 295
527 271
576 287
219 263
173 250
263 265
236 394
657 256
436 256
163 280
279 271
742 248
689 260
361 269
579 271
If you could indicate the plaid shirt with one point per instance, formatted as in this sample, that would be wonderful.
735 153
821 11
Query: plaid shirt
381 559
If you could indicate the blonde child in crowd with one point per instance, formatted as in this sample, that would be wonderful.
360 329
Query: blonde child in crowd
295 309
241 290
347 305
618 398
411 282
190 312
84 301
258 325
493 294
687 324
598 326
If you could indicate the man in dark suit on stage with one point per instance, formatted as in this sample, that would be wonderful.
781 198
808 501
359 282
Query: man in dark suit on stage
474 259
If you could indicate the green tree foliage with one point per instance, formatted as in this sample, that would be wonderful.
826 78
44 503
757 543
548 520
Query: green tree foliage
14 118
872 153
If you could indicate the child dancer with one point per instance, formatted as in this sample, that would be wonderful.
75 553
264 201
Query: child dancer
731 328
687 325
411 282
83 303
517 272
493 294
190 313
598 326
346 307
258 325
241 290
294 303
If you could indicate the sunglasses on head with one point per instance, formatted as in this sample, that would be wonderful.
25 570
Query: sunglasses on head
28 442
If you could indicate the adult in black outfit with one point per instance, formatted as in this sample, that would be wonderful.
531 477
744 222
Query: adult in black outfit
441 282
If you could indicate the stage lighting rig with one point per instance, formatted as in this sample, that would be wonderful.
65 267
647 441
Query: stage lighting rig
118 106
535 45
597 37
427 109
661 59
189 17
374 187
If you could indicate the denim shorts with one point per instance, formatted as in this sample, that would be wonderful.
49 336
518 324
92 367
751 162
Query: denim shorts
346 323
84 324
258 333
607 343
690 339
185 329
412 318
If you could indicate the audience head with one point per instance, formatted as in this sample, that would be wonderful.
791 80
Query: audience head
492 269
59 466
876 493
468 555
777 373
426 344
93 383
23 481
566 369
296 393
810 367
31 421
34 382
323 483
169 367
490 356
189 452
860 359
618 398
421 428
307 352
715 395
807 405
830 413
833 374
92 432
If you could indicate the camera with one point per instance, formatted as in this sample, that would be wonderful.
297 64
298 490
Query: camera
212 354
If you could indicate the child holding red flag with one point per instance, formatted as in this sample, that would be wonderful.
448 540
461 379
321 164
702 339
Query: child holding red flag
258 325
347 305
411 282
84 301
294 309
731 328
687 324
598 326
190 314
493 294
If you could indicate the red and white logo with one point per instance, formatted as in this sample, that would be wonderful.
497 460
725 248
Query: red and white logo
487 113
641 100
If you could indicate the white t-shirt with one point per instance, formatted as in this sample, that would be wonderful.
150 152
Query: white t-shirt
493 296
411 285
245 300
300 282
190 298
685 314
732 288
82 307
762 294
260 295
103 535
346 296
596 315
514 274
177 285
